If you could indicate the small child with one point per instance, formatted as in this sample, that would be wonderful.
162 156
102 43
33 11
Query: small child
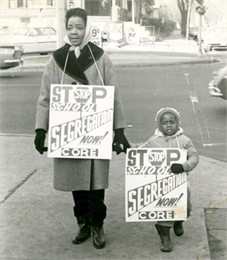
170 135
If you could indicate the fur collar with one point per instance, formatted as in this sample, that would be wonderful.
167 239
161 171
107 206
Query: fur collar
76 67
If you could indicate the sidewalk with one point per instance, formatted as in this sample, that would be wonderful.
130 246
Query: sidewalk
37 222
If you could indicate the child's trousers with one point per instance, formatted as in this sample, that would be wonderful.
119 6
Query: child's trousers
189 209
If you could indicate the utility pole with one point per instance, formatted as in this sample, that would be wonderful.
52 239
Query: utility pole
200 37
61 7
201 10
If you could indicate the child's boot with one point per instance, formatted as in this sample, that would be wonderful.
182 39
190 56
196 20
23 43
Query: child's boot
164 233
178 228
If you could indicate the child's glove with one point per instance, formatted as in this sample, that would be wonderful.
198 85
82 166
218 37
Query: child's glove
176 168
40 140
119 139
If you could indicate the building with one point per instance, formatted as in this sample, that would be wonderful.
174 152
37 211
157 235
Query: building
118 19
43 12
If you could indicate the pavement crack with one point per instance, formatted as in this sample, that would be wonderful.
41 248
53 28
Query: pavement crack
11 192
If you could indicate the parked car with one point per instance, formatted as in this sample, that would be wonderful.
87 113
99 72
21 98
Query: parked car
10 56
214 38
218 86
34 40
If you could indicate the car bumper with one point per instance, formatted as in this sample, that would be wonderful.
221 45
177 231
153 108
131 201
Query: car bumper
214 91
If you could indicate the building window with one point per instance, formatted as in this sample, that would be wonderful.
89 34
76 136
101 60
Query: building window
129 6
50 2
119 3
22 3
98 7
11 3
25 19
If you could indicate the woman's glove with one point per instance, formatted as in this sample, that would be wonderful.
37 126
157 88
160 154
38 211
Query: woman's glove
177 168
40 141
120 139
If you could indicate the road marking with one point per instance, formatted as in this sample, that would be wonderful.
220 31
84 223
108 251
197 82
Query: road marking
200 117
214 144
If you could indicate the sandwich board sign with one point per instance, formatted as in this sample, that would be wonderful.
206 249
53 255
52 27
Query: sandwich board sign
81 121
152 192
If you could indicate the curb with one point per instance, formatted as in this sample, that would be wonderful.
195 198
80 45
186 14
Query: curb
33 67
158 64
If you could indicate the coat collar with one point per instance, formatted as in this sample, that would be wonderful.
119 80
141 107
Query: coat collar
159 133
76 67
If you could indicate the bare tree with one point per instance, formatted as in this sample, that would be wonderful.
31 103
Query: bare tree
183 6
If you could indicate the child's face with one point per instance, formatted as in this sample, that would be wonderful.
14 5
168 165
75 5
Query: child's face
168 124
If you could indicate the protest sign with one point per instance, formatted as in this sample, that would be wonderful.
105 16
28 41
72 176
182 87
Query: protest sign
152 192
81 121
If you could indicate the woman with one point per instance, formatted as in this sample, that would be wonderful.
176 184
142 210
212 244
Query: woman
81 62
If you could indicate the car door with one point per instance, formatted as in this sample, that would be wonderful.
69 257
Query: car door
47 39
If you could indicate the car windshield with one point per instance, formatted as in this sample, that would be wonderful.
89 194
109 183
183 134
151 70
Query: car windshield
20 31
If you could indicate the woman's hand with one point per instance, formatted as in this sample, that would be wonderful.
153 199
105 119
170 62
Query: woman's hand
120 142
40 141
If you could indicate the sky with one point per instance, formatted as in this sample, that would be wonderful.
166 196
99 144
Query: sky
216 9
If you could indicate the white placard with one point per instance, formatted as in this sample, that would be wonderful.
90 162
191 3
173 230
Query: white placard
152 193
81 121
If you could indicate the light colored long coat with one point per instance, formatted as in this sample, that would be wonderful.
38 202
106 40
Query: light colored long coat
79 174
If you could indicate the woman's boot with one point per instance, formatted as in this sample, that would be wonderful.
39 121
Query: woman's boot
84 231
98 210
99 240
164 233
81 212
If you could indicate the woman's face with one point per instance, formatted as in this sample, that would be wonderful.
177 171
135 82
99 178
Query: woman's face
76 30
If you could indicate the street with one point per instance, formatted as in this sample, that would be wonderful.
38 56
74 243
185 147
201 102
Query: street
27 176
144 91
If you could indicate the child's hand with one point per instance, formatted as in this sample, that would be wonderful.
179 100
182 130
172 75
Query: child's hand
176 168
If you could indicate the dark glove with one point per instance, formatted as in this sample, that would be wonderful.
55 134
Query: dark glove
117 148
120 139
40 141
177 168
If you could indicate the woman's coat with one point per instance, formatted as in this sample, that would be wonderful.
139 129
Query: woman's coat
79 174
